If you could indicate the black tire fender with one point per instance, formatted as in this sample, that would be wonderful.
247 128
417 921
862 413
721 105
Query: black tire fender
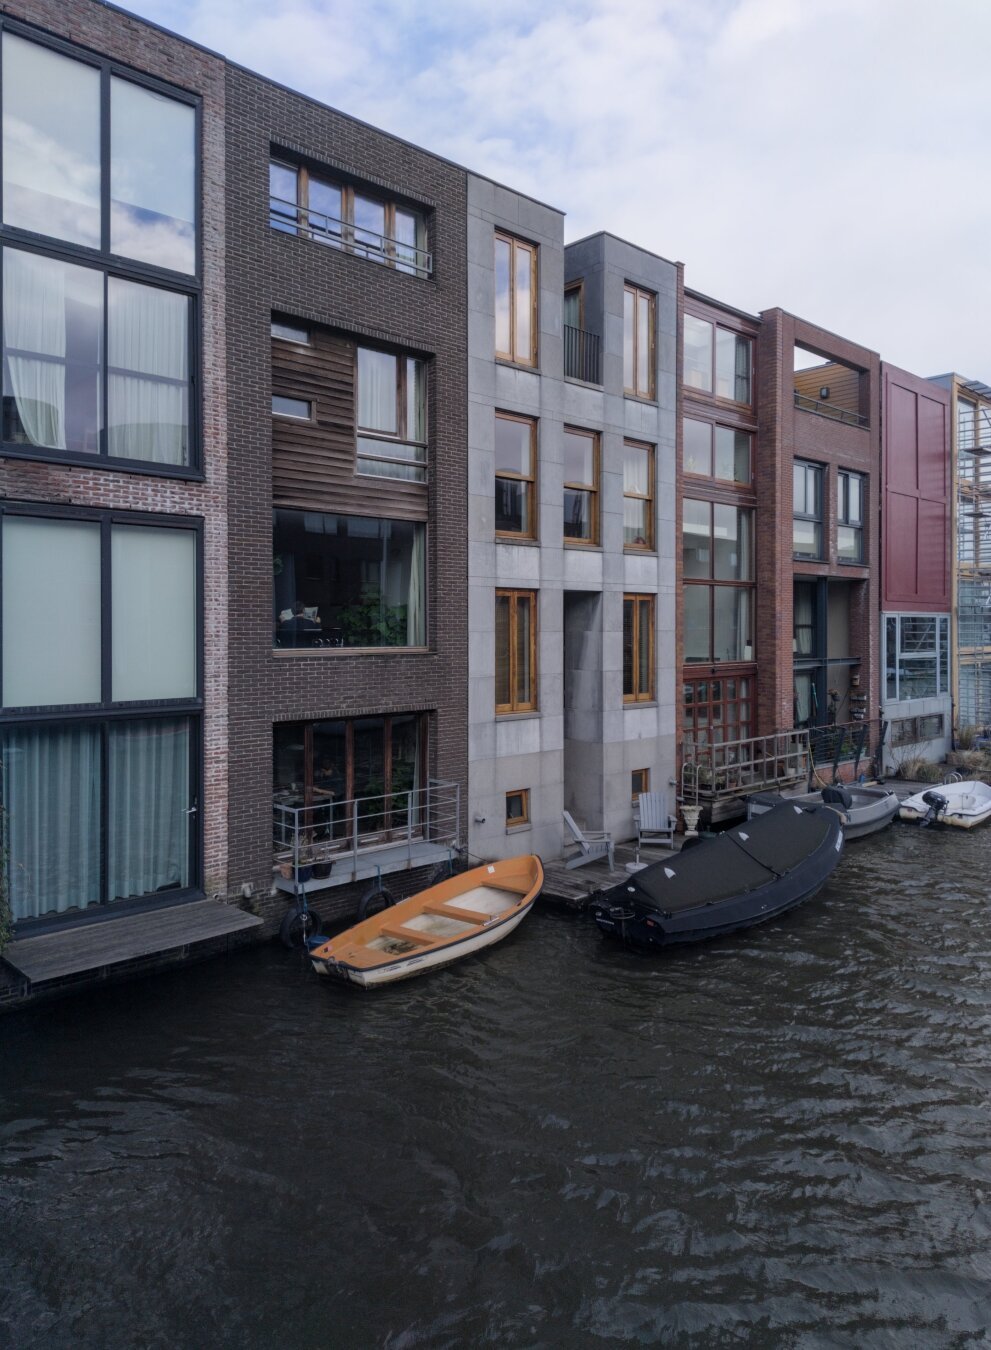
298 926
375 899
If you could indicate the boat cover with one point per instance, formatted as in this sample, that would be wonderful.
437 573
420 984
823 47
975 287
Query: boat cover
743 859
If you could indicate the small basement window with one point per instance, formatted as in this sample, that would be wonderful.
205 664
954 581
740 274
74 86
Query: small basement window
518 807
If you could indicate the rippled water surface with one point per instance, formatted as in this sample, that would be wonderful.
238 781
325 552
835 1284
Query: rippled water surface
780 1139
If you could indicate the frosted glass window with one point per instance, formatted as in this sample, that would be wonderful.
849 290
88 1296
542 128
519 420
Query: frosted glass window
153 597
51 143
152 177
51 612
148 369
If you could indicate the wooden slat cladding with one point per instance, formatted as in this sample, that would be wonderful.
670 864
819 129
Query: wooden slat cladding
313 463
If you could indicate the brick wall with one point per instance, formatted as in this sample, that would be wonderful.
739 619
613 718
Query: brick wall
269 271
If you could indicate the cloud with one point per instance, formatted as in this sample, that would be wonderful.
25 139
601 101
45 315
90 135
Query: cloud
820 155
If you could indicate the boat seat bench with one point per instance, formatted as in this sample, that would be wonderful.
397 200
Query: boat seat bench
404 934
450 911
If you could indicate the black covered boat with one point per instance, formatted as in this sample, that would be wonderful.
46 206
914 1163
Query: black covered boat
748 874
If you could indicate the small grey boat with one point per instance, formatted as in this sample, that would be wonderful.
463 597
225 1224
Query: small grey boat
865 810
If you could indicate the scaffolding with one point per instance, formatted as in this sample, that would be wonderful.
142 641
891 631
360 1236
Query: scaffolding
972 644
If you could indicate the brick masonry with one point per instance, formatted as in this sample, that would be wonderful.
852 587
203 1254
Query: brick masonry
271 272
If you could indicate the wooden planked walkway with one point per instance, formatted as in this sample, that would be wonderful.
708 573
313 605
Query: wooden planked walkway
572 887
109 942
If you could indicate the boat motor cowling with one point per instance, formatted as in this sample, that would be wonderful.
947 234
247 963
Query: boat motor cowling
937 804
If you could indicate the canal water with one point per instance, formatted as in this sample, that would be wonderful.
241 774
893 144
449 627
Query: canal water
781 1139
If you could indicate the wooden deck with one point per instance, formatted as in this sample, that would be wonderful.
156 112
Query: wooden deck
99 946
573 887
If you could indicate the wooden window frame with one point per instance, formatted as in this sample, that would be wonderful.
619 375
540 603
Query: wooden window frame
523 705
651 545
513 356
514 822
640 295
530 532
642 604
591 490
742 730
644 783
715 329
421 267
730 484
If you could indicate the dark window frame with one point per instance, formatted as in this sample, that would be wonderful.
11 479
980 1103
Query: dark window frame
843 520
816 473
715 425
693 684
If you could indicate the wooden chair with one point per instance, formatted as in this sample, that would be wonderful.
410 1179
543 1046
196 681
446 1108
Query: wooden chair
592 844
655 824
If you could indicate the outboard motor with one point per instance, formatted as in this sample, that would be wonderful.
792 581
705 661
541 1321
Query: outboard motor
837 796
937 805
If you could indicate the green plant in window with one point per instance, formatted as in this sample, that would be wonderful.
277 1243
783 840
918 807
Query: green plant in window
372 622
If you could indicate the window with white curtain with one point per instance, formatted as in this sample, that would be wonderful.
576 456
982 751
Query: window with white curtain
55 388
54 574
392 415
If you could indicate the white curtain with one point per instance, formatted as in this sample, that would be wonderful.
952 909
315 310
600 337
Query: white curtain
377 391
51 796
34 321
415 617
148 335
148 825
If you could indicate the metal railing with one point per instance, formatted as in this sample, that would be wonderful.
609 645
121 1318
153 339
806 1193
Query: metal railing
291 218
710 772
824 409
848 743
310 842
582 355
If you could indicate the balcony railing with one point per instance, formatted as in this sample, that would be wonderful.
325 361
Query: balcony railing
291 218
582 355
824 409
338 841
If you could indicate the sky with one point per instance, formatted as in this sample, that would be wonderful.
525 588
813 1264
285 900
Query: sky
822 156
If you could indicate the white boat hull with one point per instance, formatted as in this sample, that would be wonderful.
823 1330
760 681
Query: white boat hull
417 964
967 804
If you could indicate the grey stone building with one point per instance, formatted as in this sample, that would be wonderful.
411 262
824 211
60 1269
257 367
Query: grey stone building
571 521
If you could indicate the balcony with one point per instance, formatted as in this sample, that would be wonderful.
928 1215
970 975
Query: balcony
582 355
290 218
822 408
339 841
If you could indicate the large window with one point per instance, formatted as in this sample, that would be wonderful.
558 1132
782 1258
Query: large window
639 342
807 509
917 655
638 648
717 711
348 581
57 392
581 486
711 451
515 476
99 613
378 762
850 517
76 135
711 351
515 301
515 651
392 415
638 496
332 212
717 547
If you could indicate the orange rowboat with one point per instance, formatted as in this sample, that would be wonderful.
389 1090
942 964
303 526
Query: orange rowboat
455 918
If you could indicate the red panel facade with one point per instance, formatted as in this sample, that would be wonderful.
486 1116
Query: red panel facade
915 526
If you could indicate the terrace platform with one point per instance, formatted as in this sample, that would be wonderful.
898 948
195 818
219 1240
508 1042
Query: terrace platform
103 948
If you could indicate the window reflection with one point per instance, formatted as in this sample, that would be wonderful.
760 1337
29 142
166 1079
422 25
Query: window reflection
152 177
51 143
